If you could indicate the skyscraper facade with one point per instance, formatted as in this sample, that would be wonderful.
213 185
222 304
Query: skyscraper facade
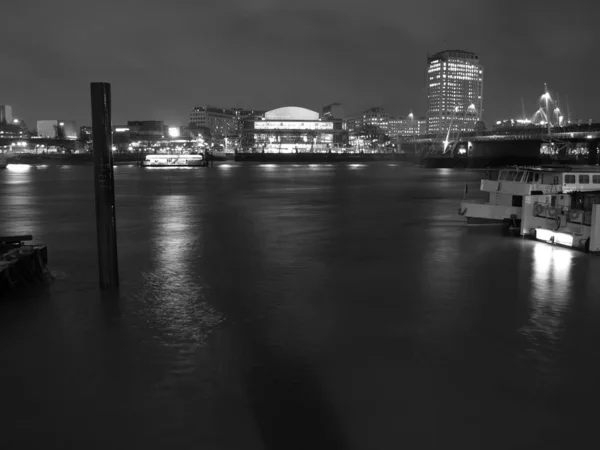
454 91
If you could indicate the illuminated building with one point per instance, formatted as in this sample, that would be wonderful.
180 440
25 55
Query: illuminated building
246 114
454 91
291 129
5 114
408 126
377 117
57 129
221 122
14 130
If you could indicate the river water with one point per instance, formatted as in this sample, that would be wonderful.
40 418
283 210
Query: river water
292 306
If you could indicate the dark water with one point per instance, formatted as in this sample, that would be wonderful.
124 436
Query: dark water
339 307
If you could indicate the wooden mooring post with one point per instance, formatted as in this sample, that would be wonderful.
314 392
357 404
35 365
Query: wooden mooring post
104 185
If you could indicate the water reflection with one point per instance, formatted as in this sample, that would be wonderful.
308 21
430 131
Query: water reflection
551 274
18 203
550 296
173 291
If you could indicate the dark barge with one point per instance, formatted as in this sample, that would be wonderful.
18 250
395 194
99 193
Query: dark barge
21 265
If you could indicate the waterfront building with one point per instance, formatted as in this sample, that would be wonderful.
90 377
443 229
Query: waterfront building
144 130
291 129
407 126
14 130
454 91
221 122
57 129
5 114
376 117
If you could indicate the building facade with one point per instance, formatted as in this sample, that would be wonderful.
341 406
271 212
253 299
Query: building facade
144 130
221 122
454 91
57 129
407 126
374 117
291 129
5 114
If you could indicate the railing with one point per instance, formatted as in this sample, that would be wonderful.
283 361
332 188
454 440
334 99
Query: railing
571 215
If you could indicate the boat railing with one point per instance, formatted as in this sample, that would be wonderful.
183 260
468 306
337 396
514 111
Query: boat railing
553 212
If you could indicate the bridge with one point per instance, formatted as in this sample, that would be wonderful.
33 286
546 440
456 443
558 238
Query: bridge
510 145
570 133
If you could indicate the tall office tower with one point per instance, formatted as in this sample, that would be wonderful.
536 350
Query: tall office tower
454 91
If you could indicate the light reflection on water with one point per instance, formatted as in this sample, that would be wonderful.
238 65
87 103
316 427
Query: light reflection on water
173 295
550 297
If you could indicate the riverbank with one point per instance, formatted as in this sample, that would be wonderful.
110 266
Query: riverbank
73 159
318 157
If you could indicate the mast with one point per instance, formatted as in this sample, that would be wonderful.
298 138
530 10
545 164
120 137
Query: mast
523 109
568 110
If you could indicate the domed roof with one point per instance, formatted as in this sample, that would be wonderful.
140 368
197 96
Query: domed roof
291 113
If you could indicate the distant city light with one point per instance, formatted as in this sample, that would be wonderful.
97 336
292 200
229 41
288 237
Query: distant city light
121 130
15 120
62 124
174 132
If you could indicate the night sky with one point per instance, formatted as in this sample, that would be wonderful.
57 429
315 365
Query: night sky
163 58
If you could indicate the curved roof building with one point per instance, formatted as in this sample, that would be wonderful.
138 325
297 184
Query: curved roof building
291 113
291 129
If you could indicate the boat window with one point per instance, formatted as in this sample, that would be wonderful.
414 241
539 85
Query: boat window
584 179
569 179
517 200
502 175
529 177
536 177
511 175
596 179
519 176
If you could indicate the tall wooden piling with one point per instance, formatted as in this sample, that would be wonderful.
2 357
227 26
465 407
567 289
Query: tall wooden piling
104 185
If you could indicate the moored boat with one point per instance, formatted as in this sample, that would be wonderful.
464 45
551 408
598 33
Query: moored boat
569 220
174 161
3 162
505 190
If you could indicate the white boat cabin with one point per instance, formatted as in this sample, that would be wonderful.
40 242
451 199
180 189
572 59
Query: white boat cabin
535 181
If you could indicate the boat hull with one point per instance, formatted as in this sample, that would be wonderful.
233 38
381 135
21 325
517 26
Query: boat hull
480 222
173 165
485 214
